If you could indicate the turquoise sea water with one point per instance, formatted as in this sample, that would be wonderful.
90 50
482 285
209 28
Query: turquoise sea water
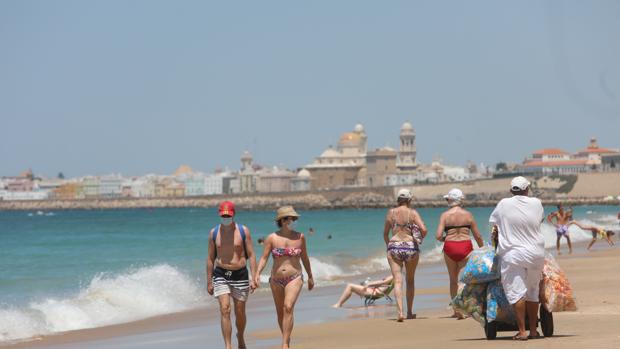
67 270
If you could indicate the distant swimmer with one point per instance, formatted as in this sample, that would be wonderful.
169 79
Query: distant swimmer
562 222
261 240
597 233
329 237
311 231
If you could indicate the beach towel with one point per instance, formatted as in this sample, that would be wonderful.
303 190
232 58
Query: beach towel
470 300
482 267
556 293
498 307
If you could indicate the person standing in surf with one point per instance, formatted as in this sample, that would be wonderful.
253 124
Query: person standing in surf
288 248
454 228
562 220
230 250
403 248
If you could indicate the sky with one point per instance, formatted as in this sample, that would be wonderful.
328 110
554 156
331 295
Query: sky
143 86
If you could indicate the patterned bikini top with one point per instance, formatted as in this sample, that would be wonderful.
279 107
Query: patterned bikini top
285 252
410 227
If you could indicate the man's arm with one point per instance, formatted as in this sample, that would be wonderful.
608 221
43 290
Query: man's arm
210 263
249 248
550 217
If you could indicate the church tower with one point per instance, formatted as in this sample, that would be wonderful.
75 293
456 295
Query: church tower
407 151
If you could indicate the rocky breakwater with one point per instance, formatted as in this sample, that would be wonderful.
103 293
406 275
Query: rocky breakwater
358 198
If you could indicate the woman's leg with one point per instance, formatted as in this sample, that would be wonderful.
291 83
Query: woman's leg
453 274
396 268
291 293
591 243
277 292
348 291
411 265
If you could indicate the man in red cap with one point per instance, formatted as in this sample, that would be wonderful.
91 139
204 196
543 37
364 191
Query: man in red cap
230 249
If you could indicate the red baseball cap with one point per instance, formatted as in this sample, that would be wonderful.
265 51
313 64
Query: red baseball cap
227 208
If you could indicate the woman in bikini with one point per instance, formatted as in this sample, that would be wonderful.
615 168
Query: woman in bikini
403 248
373 288
288 248
454 229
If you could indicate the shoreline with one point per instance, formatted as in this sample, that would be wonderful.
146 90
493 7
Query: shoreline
314 311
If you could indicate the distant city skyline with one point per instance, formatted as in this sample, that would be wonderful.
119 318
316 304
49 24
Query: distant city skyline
143 87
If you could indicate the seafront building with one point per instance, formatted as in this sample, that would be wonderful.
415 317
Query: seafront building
349 164
554 161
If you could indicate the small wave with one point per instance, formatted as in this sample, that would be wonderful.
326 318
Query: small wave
107 300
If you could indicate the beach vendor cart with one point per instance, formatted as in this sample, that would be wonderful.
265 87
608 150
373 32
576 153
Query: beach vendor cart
481 294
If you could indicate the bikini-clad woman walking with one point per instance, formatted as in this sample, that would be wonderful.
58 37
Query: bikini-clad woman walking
403 248
288 248
454 228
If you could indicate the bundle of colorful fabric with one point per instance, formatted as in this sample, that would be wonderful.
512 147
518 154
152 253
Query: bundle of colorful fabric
482 267
498 307
556 294
471 300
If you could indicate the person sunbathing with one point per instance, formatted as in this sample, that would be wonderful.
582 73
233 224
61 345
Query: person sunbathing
371 289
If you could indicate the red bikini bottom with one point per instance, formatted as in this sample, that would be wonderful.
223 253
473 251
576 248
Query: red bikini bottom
457 250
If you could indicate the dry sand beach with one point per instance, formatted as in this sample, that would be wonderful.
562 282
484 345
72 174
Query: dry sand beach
594 277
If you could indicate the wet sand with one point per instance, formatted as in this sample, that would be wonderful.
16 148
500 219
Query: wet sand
594 276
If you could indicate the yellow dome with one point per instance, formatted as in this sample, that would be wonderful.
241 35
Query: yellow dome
183 169
350 137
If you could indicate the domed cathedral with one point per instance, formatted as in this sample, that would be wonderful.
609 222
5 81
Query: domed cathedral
407 152
343 166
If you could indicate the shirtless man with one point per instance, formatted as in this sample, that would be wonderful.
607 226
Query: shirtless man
562 220
230 248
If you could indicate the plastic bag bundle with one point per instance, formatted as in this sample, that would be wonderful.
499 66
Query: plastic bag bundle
481 267
556 294
498 307
471 300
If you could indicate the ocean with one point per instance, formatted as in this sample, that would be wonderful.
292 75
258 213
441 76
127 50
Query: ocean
68 270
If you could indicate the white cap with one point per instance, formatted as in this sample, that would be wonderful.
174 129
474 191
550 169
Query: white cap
519 183
455 195
404 194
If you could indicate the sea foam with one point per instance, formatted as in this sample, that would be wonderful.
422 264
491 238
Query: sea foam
107 300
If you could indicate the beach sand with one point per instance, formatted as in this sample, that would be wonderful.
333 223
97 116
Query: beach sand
594 277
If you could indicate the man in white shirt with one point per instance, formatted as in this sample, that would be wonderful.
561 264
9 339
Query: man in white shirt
521 248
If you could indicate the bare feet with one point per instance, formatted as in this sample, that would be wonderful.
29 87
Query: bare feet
534 335
401 318
520 337
411 316
336 305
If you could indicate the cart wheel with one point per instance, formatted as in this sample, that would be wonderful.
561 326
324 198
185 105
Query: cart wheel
490 329
546 322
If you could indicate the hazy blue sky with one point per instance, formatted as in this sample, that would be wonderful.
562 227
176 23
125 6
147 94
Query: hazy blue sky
94 87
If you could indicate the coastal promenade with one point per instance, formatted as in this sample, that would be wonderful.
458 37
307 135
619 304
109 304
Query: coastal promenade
595 188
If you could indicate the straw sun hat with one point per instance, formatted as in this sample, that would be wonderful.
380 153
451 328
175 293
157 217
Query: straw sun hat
285 211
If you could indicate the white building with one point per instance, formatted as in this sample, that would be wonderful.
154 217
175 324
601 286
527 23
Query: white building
301 182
